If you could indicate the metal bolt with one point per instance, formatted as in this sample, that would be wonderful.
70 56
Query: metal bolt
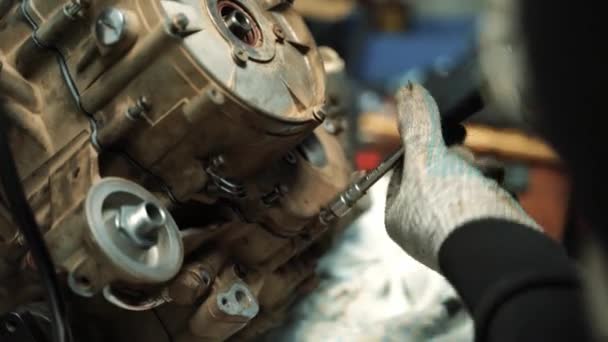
179 23
20 239
216 96
192 283
240 56
74 8
142 106
218 161
141 223
278 32
110 26
144 103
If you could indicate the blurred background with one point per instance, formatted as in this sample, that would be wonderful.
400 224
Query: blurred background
381 45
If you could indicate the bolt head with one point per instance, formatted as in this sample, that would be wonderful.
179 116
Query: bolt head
74 9
179 23
216 96
241 56
218 161
110 26
144 103
278 32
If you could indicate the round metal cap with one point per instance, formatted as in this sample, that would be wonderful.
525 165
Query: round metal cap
133 231
281 77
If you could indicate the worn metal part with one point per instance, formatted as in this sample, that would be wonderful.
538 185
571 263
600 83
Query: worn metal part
173 155
110 26
133 230
231 305
141 223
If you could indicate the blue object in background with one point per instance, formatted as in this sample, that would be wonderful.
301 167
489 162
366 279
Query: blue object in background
385 60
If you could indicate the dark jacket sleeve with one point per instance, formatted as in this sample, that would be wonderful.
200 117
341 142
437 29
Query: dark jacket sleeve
518 284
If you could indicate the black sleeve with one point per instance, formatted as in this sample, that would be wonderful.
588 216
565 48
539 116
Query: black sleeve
518 284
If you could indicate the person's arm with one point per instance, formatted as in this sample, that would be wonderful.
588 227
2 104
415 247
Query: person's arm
516 282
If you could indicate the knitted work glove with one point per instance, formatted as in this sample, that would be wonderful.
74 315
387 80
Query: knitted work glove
436 191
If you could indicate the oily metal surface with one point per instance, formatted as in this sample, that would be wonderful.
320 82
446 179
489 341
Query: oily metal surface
210 111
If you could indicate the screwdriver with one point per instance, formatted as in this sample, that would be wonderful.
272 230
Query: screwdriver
345 201
453 133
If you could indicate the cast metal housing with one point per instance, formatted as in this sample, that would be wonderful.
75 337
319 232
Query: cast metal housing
173 156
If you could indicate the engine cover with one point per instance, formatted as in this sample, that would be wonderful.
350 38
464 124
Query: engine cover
172 154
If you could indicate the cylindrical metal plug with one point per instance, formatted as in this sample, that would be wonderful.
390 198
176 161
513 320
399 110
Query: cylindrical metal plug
141 223
239 24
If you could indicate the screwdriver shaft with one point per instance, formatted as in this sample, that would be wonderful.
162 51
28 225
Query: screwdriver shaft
345 201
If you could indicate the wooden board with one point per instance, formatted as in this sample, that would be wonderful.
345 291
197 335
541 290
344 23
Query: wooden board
504 143
326 10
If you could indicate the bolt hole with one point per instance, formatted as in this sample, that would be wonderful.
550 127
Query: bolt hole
224 301
240 297
155 214
76 173
84 281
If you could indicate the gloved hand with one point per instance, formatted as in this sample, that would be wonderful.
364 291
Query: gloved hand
435 191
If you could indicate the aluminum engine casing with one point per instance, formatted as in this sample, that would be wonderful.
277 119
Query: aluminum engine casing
172 155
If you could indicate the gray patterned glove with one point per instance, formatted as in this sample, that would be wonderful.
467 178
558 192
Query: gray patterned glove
436 191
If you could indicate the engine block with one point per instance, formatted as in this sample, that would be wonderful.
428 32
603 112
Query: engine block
173 155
